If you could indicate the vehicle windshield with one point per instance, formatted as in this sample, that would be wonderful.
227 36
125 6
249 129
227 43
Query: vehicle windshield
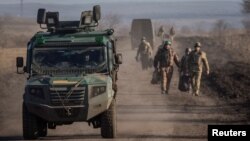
84 58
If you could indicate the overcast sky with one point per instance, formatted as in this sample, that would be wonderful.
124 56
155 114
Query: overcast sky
93 1
178 12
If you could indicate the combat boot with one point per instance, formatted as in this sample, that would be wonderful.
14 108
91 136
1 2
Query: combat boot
193 93
197 94
190 91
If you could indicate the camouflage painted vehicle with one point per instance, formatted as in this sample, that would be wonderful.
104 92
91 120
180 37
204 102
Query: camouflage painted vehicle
72 73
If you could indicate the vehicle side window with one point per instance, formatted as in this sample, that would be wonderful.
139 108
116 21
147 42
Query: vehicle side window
111 55
28 57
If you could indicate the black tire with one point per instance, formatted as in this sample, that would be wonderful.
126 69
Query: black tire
30 126
42 128
108 122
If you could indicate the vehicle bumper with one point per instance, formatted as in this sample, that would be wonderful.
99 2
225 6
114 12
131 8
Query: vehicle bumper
58 113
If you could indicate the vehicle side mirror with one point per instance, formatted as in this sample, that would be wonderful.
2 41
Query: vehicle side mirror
19 64
118 58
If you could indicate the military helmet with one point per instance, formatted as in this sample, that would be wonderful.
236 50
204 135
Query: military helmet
167 42
143 38
188 50
197 44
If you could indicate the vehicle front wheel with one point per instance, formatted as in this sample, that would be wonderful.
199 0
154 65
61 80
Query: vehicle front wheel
30 126
108 122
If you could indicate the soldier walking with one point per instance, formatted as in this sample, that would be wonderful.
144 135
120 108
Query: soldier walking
185 81
196 61
161 33
163 61
145 52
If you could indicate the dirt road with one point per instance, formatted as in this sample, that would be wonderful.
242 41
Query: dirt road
143 113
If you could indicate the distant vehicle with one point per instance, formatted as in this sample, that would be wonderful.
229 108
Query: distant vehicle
72 73
141 28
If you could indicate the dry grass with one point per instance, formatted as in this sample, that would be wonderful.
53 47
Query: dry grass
15 32
12 86
228 55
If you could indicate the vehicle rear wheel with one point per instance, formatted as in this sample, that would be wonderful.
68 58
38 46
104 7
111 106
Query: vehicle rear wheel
30 126
108 122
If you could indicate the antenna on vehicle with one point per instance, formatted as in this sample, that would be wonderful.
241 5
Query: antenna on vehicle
21 8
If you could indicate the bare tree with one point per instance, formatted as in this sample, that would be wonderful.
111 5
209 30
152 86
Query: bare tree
220 32
246 6
2 41
246 10
246 24
220 28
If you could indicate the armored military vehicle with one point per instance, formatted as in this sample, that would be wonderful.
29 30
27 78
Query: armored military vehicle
141 28
72 73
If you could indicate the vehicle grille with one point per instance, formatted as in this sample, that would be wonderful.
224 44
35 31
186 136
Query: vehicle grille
74 112
59 94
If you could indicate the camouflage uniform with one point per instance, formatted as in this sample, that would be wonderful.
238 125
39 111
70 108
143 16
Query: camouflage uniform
164 60
196 61
145 52
165 36
161 33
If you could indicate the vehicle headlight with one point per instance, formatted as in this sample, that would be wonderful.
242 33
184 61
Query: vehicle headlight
98 90
36 92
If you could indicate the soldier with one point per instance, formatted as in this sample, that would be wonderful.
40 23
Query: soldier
185 81
184 62
161 33
164 36
145 52
172 33
163 61
196 59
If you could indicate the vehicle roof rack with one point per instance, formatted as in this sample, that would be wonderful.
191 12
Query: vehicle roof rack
50 20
